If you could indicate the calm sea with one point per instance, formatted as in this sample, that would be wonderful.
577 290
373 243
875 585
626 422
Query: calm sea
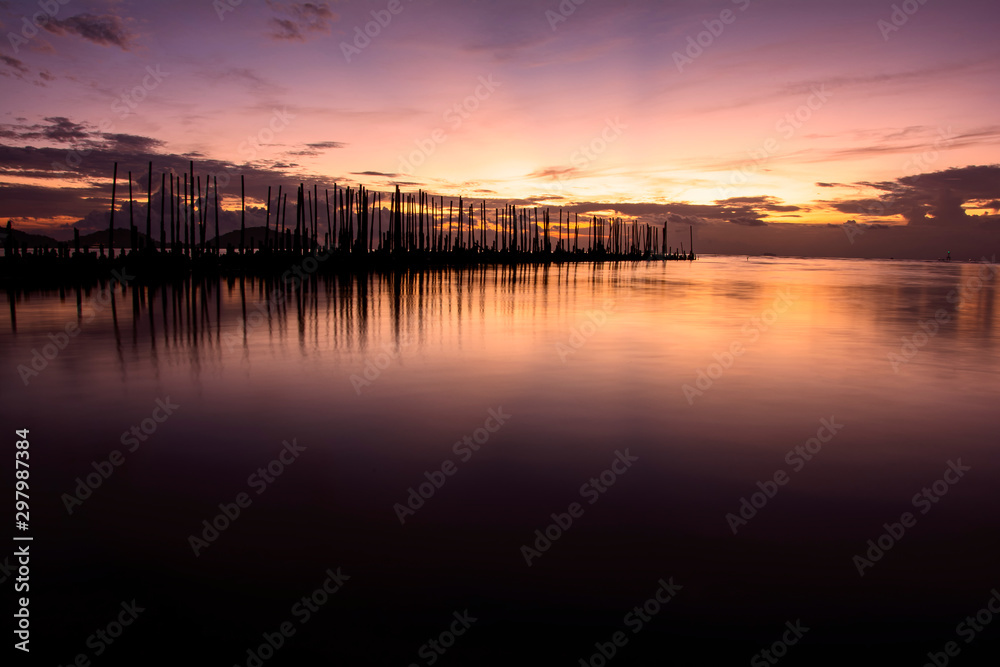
637 463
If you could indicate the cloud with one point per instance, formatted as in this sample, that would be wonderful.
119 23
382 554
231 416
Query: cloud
59 129
20 69
552 172
105 30
131 143
317 148
326 144
759 203
748 222
302 18
931 199
684 219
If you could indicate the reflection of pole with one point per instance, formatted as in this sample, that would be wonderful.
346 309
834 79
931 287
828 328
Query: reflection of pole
691 228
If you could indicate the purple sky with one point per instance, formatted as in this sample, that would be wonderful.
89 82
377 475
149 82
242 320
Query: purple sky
766 124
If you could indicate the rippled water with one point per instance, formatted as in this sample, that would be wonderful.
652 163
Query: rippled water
524 385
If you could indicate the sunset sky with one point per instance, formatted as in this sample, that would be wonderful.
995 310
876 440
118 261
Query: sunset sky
731 115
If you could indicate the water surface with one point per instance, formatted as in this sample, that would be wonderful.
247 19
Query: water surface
378 377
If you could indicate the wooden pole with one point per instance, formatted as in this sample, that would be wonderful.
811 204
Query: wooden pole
111 227
149 205
267 218
215 180
243 214
163 209
131 218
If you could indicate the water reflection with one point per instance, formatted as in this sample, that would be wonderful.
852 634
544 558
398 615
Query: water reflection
589 359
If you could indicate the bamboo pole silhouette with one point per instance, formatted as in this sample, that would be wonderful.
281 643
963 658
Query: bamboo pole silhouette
187 215
131 219
163 210
243 214
191 218
215 180
149 204
172 220
111 226
267 218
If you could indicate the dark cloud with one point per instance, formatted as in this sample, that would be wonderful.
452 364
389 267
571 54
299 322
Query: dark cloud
746 200
755 205
301 19
58 129
761 202
748 222
131 143
684 219
285 29
373 173
105 30
552 172
18 66
317 148
931 199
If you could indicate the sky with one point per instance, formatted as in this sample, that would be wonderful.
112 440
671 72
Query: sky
855 128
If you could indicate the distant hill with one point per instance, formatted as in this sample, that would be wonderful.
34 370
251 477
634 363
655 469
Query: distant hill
30 240
123 238
255 233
